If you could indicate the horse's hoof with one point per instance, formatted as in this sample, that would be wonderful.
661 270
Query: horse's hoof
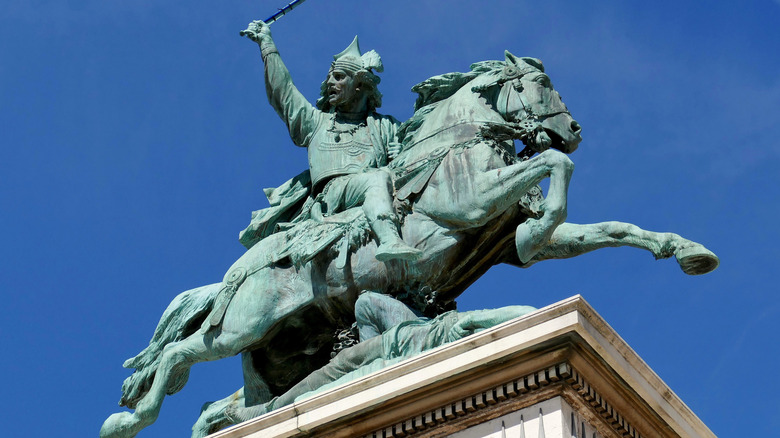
119 425
696 259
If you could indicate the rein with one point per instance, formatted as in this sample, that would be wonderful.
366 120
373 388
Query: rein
411 178
439 131
528 127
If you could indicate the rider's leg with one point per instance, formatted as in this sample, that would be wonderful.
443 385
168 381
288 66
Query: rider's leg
374 190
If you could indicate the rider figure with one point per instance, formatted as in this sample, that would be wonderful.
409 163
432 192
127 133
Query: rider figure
347 140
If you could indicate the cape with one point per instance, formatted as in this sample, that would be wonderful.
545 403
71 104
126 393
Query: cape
286 202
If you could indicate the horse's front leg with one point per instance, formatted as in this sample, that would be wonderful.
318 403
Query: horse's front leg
502 188
571 240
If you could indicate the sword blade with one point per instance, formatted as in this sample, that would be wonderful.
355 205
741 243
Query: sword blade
282 12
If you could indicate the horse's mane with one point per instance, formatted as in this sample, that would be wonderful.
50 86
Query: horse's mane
433 90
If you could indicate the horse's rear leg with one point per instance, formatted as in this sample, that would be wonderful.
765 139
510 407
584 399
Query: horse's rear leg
571 240
176 359
214 416
240 406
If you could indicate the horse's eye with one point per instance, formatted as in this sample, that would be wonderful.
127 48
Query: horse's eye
542 80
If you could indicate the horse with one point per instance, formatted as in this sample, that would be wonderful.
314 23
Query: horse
469 202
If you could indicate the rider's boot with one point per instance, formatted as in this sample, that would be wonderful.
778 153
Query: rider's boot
391 246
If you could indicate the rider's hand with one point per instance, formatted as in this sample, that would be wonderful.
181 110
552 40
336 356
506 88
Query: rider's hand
257 31
464 327
393 149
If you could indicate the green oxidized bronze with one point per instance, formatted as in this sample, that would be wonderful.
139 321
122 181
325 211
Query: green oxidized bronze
415 212
389 333
346 139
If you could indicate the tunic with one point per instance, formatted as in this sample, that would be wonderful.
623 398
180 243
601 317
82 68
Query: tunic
348 149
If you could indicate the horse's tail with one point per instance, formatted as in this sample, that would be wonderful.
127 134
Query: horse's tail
182 318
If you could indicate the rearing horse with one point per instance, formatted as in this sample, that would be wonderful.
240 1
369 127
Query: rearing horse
470 204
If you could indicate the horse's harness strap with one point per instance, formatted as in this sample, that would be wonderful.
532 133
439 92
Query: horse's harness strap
225 296
446 128
503 98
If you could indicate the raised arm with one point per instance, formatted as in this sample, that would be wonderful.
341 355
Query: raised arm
297 113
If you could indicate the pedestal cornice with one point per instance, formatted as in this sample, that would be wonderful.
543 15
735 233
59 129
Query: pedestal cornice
563 350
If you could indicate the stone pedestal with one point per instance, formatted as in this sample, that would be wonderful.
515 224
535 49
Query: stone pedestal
558 372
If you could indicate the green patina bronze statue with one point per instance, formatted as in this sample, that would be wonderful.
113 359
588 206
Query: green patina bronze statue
415 212
348 142
389 333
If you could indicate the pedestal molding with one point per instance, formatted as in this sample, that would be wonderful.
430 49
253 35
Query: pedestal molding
565 349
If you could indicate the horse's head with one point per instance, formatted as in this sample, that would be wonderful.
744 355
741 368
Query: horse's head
516 92
525 98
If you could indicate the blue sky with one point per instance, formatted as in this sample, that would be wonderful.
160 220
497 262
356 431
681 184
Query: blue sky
136 138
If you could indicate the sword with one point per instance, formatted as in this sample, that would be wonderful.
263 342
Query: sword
282 12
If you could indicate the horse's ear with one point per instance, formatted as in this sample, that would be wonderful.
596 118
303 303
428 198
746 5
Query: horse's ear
520 62
535 63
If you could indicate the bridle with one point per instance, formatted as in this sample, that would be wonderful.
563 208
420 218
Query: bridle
525 124
526 127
